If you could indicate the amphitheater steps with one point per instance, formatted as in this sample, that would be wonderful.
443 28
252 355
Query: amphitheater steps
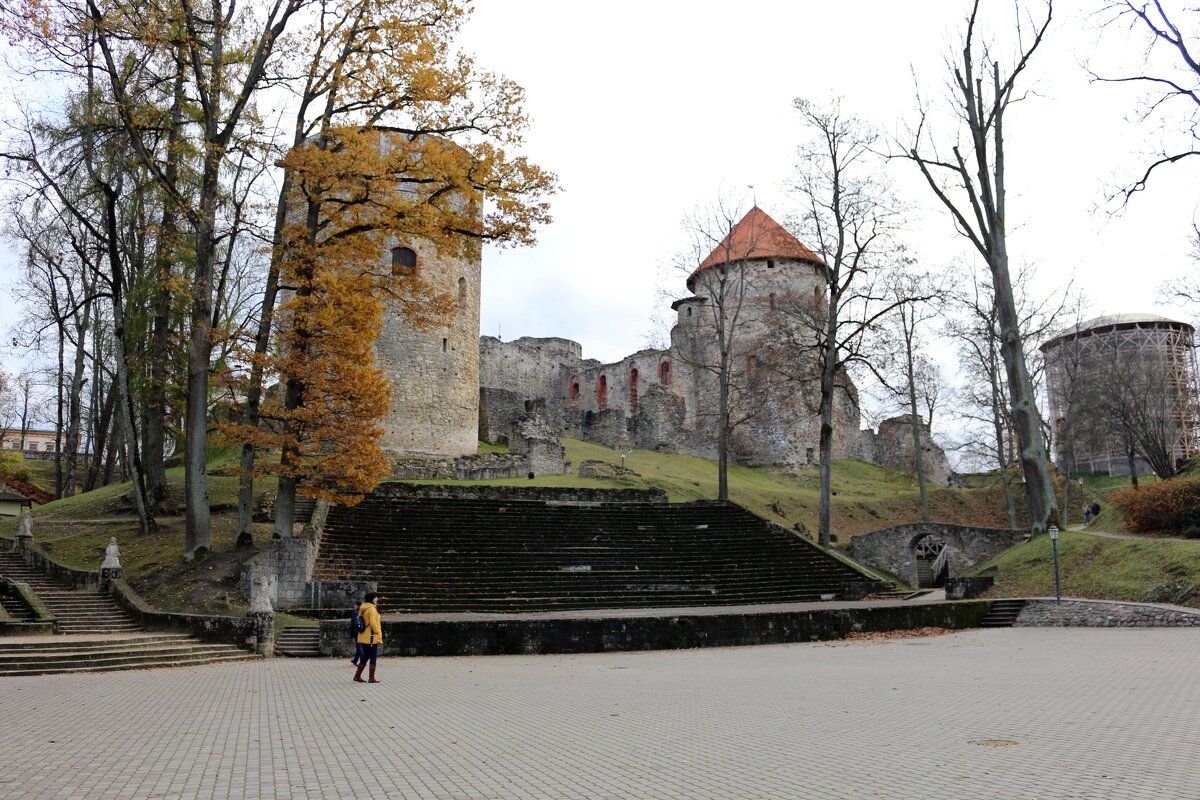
503 556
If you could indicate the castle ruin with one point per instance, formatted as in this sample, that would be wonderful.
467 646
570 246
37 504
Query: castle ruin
452 388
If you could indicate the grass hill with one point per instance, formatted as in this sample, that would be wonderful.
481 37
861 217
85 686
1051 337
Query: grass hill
1142 570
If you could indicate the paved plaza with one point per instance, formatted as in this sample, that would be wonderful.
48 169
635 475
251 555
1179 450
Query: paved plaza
1016 713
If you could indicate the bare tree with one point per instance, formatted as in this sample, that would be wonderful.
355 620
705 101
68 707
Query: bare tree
720 272
916 298
970 183
850 218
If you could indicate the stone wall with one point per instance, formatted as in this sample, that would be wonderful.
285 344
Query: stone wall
1101 614
891 549
499 410
474 635
892 446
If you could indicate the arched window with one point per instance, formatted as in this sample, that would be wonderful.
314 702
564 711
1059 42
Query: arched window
404 261
818 294
664 372
771 299
602 392
689 311
633 390
462 291
573 389
752 366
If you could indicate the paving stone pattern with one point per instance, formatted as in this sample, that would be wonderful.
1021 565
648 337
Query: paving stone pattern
1014 713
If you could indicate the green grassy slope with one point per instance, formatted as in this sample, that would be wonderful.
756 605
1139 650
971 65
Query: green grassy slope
1151 570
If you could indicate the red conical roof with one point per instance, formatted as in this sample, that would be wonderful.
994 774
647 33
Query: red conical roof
756 236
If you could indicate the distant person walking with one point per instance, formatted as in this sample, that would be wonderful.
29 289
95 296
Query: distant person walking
1095 510
371 637
1087 513
354 634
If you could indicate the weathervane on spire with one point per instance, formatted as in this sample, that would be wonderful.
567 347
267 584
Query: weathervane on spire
753 194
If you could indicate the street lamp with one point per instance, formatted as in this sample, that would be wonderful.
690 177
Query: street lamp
1054 545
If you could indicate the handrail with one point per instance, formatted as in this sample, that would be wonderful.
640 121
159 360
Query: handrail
935 569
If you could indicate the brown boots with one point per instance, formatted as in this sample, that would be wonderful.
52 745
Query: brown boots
358 675
372 675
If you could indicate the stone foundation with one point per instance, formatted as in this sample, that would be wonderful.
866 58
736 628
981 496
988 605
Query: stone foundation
1044 613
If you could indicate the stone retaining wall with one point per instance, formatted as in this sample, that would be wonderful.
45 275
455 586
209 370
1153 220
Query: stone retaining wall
578 634
1099 614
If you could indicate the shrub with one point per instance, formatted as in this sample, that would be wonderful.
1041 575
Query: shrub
1172 506
12 465
1192 532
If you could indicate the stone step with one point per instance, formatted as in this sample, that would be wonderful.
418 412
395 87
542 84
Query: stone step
66 643
147 663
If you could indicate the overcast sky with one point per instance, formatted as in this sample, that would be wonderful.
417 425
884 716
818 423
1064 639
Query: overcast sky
646 109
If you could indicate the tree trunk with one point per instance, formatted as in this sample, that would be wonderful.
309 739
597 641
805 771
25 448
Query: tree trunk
1133 478
915 420
262 340
828 375
120 355
75 401
198 532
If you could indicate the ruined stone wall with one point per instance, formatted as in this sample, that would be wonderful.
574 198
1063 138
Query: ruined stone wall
892 446
499 410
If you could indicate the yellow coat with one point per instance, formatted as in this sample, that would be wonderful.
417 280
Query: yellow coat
374 631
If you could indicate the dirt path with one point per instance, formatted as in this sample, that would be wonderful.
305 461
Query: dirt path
1139 537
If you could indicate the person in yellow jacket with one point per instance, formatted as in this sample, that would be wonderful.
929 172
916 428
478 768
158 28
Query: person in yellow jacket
371 637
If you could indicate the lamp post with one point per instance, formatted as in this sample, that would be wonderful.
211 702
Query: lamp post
1054 545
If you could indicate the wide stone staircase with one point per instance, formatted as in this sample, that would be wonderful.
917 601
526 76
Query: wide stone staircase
77 610
100 635
487 555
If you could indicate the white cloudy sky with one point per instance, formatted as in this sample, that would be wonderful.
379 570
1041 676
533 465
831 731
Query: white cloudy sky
645 109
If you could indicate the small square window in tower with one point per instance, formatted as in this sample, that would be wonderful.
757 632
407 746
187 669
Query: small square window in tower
404 262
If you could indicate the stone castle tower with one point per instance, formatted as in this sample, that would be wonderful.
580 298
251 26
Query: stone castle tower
433 369
766 269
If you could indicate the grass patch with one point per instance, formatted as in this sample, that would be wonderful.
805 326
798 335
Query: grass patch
1151 570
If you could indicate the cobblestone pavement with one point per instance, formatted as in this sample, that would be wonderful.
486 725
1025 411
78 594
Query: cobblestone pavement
1019 713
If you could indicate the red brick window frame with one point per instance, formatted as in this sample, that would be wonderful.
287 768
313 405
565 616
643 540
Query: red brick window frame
664 373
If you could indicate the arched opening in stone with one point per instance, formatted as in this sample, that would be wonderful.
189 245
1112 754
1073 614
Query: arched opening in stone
633 390
818 294
602 392
462 292
664 373
404 262
573 389
930 564
771 299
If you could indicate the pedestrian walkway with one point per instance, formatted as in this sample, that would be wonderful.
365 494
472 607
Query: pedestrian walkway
1014 713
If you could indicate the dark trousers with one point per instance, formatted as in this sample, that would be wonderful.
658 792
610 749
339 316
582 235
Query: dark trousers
358 652
368 652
